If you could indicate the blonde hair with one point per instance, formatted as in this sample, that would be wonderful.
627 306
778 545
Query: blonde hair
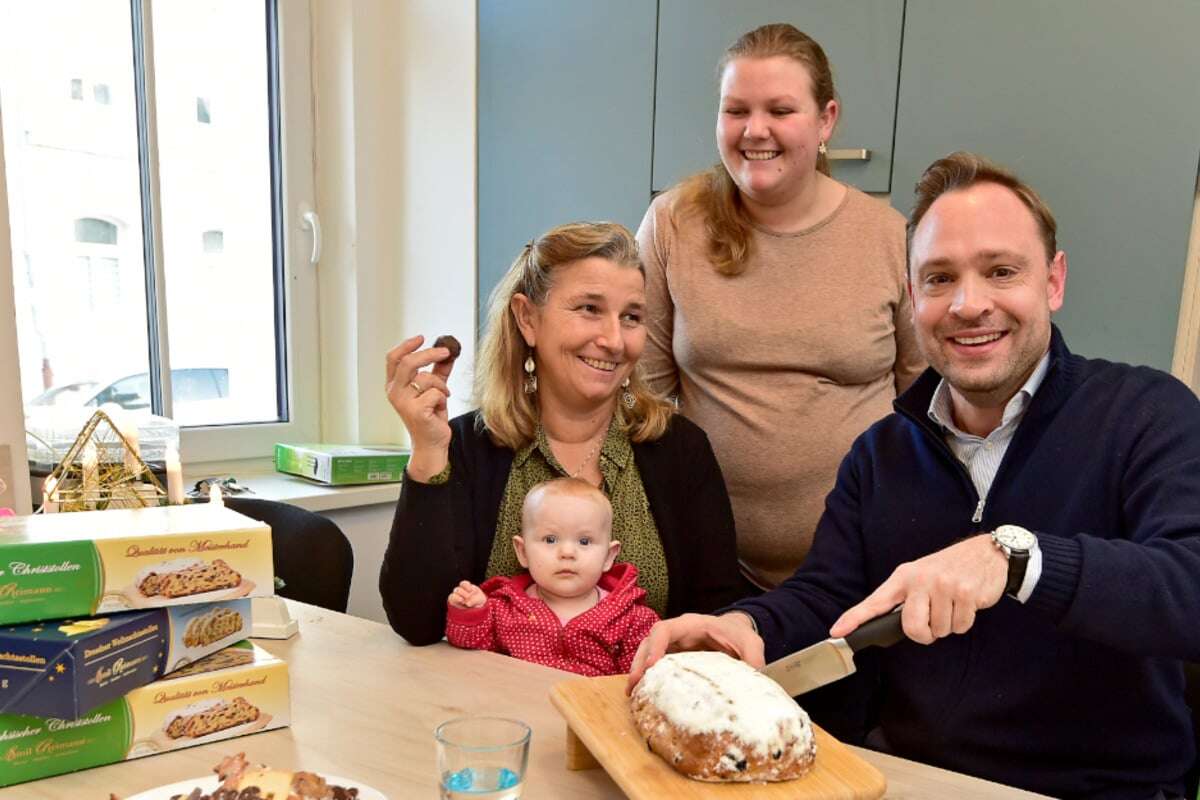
506 411
962 170
564 487
713 193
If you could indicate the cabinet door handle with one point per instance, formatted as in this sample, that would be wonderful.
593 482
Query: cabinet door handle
848 154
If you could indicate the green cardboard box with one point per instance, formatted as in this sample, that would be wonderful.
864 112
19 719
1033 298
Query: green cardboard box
342 465
89 563
233 692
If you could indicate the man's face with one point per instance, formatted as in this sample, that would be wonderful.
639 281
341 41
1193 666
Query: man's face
983 292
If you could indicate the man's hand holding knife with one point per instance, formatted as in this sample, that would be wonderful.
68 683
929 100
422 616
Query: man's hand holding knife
939 594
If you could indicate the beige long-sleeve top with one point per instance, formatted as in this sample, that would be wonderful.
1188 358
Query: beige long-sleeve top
784 364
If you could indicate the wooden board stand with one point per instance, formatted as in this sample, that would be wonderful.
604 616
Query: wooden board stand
600 733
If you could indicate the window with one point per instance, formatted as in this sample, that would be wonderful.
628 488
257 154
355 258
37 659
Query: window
99 268
117 289
95 231
213 242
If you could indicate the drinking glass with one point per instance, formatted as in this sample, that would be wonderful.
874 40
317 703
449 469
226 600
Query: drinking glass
482 758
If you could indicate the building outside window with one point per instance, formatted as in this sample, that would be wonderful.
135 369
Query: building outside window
99 265
89 253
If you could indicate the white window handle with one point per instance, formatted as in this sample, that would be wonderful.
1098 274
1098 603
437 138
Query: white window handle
310 221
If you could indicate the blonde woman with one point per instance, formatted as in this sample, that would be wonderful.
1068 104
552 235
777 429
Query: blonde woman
559 393
779 313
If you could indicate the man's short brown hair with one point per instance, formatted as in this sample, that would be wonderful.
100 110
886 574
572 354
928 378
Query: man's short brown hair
962 170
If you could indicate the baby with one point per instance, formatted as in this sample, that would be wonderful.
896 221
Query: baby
573 609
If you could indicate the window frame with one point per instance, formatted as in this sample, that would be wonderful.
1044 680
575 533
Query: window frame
293 174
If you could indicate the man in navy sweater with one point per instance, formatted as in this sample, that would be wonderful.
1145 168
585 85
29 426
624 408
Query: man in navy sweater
1037 513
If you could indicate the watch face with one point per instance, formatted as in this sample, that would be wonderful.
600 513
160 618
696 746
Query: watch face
1015 537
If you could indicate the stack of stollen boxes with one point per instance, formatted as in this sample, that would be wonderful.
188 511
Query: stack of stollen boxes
122 635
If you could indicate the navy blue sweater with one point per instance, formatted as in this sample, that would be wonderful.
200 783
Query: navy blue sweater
1078 692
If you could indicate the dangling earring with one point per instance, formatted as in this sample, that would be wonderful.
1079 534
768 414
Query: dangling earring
821 148
627 398
530 375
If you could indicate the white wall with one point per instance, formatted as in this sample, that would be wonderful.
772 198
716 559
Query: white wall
367 529
13 471
395 154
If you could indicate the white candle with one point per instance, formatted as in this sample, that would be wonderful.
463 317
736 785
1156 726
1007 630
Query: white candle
214 495
133 450
174 478
90 480
128 430
49 504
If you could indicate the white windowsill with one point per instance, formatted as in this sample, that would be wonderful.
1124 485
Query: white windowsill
259 476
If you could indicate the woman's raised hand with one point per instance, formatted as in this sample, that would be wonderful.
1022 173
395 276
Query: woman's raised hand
419 397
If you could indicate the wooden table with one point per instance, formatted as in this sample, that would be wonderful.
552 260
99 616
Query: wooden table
364 706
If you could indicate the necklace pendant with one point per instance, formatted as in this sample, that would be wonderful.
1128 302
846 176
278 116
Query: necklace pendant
586 460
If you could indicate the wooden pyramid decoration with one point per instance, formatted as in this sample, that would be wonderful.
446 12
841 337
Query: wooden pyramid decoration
102 469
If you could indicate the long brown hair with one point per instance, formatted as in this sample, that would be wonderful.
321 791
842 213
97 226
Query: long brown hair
713 193
508 413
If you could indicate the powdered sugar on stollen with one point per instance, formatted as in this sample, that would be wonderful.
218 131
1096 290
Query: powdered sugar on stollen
708 692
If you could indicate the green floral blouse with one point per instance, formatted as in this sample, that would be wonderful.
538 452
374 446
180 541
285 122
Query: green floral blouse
633 524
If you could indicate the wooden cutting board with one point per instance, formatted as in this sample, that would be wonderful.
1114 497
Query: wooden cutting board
600 729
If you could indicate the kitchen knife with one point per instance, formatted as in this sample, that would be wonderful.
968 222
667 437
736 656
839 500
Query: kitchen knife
827 661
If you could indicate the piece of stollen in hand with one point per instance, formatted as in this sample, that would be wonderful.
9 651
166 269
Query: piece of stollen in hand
450 343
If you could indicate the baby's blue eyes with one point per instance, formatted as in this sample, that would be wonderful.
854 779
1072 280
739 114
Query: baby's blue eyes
585 541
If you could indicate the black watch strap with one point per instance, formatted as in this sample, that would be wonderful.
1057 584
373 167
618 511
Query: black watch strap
1018 562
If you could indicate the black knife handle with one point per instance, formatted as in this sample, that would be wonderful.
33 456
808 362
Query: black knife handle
883 631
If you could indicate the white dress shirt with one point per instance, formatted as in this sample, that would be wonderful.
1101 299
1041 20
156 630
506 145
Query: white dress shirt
981 455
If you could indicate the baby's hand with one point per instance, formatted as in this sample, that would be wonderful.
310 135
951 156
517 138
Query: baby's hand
467 595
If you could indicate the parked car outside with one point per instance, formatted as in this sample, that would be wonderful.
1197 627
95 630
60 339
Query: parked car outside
188 385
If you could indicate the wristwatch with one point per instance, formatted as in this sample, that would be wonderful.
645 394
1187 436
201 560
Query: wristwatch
1017 544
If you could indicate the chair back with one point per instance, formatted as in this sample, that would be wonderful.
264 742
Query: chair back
1191 674
312 556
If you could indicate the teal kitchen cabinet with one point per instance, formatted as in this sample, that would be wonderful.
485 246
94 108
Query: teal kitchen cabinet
586 107
861 39
565 104
1096 105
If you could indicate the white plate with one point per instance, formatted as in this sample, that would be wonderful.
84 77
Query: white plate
207 784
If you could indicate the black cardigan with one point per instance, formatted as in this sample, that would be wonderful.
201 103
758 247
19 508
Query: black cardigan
443 534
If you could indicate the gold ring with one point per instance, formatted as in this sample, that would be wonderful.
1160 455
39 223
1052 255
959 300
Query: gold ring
416 386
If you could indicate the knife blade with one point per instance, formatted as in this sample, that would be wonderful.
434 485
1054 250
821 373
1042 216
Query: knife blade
832 659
